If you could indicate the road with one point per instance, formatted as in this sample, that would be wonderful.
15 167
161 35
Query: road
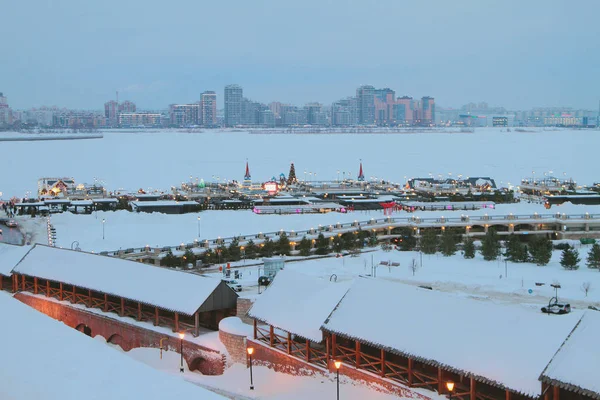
10 235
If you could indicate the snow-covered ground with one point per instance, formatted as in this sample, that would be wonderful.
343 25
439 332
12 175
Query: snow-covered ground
163 159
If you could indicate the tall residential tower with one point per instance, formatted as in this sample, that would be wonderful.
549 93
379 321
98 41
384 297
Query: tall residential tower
233 105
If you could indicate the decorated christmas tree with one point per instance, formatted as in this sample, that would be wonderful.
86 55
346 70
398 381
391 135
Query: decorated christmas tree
292 175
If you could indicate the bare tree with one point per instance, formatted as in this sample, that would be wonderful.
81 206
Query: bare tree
413 266
585 287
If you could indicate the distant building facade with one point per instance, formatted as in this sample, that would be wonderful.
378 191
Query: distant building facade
233 98
208 105
184 115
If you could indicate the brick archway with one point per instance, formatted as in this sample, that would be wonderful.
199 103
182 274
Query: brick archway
203 366
118 340
83 328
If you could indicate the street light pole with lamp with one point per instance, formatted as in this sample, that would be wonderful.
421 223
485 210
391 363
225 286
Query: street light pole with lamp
103 221
450 387
337 364
250 350
198 227
181 335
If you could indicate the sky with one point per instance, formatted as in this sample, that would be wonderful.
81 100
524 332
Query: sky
512 53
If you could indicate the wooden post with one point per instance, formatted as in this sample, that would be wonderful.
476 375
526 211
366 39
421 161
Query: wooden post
382 363
23 282
105 302
555 393
333 346
410 372
155 316
197 323
90 298
473 389
74 298
271 335
35 285
15 283
357 346
139 316
122 310
60 292
255 330
440 380
289 343
508 396
307 350
47 288
176 322
327 347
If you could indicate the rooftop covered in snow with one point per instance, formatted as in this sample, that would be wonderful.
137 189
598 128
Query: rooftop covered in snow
505 346
575 365
171 290
10 255
298 303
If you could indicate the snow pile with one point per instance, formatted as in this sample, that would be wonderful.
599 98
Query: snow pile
298 303
47 359
578 360
235 326
10 255
508 345
170 290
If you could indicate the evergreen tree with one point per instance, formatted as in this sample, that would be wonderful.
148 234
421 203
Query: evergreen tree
170 260
372 241
208 257
593 258
292 175
490 245
515 251
283 246
222 254
322 245
267 248
429 241
469 248
408 241
570 258
337 244
363 236
251 250
188 258
448 243
234 252
304 247
348 241
541 250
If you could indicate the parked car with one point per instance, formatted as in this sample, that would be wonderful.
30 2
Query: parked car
264 280
554 307
11 223
232 283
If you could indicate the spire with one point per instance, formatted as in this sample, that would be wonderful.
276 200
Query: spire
247 177
361 176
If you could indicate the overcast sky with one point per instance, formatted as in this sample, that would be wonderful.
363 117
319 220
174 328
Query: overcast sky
514 53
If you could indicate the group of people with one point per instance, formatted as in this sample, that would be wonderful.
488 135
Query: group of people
9 209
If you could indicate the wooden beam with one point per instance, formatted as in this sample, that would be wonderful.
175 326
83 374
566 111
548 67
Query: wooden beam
555 393
440 379
508 395
410 371
176 322
255 330
105 302
289 343
89 298
382 362
122 310
197 323
47 288
333 344
139 315
357 359
15 283
23 282
307 350
327 347
155 316
473 389
35 285
271 335
60 292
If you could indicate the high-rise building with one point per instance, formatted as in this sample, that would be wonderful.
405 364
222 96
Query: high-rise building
345 112
384 106
404 111
208 104
366 105
127 107
4 110
233 105
428 110
184 115
111 112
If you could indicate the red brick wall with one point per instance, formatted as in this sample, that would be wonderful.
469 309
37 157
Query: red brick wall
243 305
207 361
281 362
235 345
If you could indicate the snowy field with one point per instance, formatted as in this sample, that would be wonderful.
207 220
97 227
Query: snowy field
134 160
124 229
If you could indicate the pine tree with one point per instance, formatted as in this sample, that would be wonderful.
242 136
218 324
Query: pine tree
208 257
490 245
337 244
283 246
292 175
322 245
541 250
515 250
593 258
234 251
267 248
469 248
429 241
408 241
349 241
570 258
304 247
448 243
188 258
250 249
170 260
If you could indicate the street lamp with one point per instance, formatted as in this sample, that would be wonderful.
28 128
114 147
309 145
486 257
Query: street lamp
198 227
181 335
450 387
337 364
250 350
103 221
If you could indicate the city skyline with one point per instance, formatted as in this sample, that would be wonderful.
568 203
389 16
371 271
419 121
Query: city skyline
520 55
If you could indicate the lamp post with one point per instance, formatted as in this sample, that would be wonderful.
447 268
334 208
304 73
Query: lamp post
103 221
450 387
181 335
198 227
337 364
250 350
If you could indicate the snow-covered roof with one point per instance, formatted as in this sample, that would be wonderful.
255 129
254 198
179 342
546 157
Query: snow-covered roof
298 303
167 289
69 365
504 345
575 365
10 255
163 203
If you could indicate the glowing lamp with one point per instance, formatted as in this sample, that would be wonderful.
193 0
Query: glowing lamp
337 364
250 350
181 335
450 386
